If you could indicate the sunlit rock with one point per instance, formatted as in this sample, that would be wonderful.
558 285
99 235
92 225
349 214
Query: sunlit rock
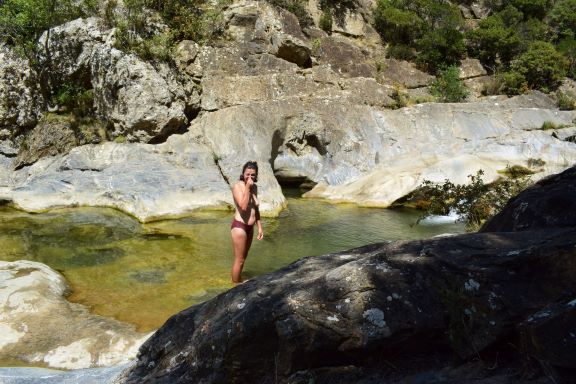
39 326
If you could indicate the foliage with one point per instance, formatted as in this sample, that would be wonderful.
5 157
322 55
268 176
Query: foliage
475 202
401 52
567 47
448 87
562 18
513 83
440 48
566 101
542 66
548 125
531 8
75 99
397 26
325 22
22 22
430 27
138 31
493 41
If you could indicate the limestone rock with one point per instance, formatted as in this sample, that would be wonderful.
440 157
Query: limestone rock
20 98
291 49
167 180
471 68
39 326
53 135
129 93
140 102
399 72
343 315
67 50
345 59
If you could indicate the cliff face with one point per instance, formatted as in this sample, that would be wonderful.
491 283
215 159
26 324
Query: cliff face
311 107
502 301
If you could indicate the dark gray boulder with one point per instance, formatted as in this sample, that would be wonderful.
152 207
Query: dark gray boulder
454 309
550 203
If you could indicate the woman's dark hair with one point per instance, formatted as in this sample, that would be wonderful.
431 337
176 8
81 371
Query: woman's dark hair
252 165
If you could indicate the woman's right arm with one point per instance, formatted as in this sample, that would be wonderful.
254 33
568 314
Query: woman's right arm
241 196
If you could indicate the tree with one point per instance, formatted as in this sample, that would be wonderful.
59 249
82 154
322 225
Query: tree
542 66
440 48
397 26
22 22
532 8
493 42
562 18
448 87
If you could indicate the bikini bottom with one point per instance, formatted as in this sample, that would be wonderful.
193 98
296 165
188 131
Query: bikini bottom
249 229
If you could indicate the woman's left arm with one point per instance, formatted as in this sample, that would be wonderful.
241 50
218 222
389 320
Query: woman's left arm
259 222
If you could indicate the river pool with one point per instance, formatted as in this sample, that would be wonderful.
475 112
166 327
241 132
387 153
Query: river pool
143 273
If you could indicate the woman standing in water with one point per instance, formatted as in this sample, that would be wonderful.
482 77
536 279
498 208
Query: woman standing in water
245 193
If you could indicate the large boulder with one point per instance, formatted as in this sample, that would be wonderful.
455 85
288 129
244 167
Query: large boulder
20 98
52 135
40 326
351 316
550 203
149 182
139 101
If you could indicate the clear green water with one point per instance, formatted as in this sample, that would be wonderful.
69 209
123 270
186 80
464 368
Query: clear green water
143 273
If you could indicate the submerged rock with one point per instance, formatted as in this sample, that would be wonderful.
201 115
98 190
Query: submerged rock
383 313
39 326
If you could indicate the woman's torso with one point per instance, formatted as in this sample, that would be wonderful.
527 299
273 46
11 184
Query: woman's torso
249 216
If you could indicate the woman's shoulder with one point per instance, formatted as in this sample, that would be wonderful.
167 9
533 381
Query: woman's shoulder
239 185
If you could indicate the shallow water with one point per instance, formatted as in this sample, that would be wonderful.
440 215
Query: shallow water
143 273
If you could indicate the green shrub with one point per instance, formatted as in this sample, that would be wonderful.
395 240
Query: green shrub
75 99
567 47
440 48
448 87
562 18
548 125
325 22
401 52
493 42
475 202
566 101
513 83
397 26
542 66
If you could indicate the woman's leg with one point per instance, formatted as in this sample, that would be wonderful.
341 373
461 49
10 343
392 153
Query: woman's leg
241 247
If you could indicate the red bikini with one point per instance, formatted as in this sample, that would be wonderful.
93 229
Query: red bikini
249 229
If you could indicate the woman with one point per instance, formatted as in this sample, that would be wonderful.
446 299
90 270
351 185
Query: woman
245 193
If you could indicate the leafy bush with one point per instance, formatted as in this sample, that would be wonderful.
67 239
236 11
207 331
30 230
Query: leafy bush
448 87
513 83
531 8
562 18
397 26
567 47
475 202
566 101
493 41
326 20
440 48
401 52
75 99
542 66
